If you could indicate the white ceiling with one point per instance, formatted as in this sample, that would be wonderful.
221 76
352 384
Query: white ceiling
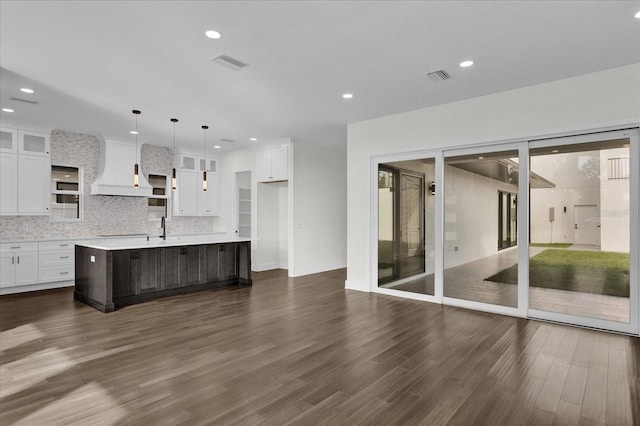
92 62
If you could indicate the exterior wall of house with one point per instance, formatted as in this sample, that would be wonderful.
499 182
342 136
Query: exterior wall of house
470 216
569 106
576 176
614 198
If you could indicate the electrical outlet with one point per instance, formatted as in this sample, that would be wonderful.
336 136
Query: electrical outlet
455 248
25 226
92 259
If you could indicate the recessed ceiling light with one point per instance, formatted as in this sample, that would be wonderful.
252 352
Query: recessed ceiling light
216 146
134 132
555 150
26 90
347 95
253 139
213 34
466 64
637 15
7 109
481 158
67 175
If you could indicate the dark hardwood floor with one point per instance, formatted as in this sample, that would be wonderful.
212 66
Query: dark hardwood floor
304 351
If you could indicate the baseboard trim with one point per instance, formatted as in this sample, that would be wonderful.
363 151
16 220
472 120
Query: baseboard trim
36 287
356 285
298 272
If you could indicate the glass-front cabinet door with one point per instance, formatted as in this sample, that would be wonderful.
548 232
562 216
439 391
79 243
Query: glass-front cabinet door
8 140
34 143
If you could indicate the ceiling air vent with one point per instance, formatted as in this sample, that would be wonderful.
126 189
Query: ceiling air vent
26 101
229 62
227 140
439 75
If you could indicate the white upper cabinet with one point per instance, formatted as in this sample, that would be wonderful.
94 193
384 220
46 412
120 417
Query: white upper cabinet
210 165
272 164
34 175
208 200
34 143
8 183
189 199
188 162
25 172
8 140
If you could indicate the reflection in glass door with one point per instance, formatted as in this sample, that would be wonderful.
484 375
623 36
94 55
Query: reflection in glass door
480 224
580 267
406 248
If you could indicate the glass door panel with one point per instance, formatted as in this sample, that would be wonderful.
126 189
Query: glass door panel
386 238
480 227
581 226
406 226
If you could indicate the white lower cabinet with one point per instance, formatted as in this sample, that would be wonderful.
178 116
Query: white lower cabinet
56 261
18 264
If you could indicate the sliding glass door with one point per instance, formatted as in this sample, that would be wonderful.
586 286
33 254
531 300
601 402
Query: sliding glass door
480 226
406 242
544 229
583 267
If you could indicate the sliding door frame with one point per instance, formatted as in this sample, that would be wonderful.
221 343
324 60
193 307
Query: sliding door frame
523 144
375 164
523 223
633 327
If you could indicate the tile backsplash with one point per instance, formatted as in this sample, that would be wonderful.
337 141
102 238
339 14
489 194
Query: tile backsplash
103 215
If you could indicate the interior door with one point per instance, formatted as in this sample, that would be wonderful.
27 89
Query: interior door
586 225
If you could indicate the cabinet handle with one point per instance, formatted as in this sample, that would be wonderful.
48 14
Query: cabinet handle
13 260
18 260
64 245
64 257
15 248
64 273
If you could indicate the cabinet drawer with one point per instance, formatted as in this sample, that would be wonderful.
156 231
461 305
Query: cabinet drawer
56 273
56 258
55 245
18 247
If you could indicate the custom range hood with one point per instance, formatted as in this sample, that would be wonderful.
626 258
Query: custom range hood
115 177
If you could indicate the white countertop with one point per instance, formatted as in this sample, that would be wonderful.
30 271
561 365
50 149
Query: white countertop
155 241
98 237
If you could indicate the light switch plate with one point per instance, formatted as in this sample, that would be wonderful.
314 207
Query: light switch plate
92 259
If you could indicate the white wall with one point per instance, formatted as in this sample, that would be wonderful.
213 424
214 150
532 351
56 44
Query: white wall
569 105
319 209
317 188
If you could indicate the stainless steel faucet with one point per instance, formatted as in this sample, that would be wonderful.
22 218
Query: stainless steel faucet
163 225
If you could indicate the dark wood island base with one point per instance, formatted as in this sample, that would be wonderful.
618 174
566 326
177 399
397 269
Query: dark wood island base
108 279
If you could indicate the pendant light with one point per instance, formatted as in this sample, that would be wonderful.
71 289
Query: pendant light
136 167
173 172
204 151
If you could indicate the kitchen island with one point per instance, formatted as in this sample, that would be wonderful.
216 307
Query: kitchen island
110 274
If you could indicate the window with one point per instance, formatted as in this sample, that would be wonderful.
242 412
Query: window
66 193
158 200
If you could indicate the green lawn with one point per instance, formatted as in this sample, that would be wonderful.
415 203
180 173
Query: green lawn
551 245
573 270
